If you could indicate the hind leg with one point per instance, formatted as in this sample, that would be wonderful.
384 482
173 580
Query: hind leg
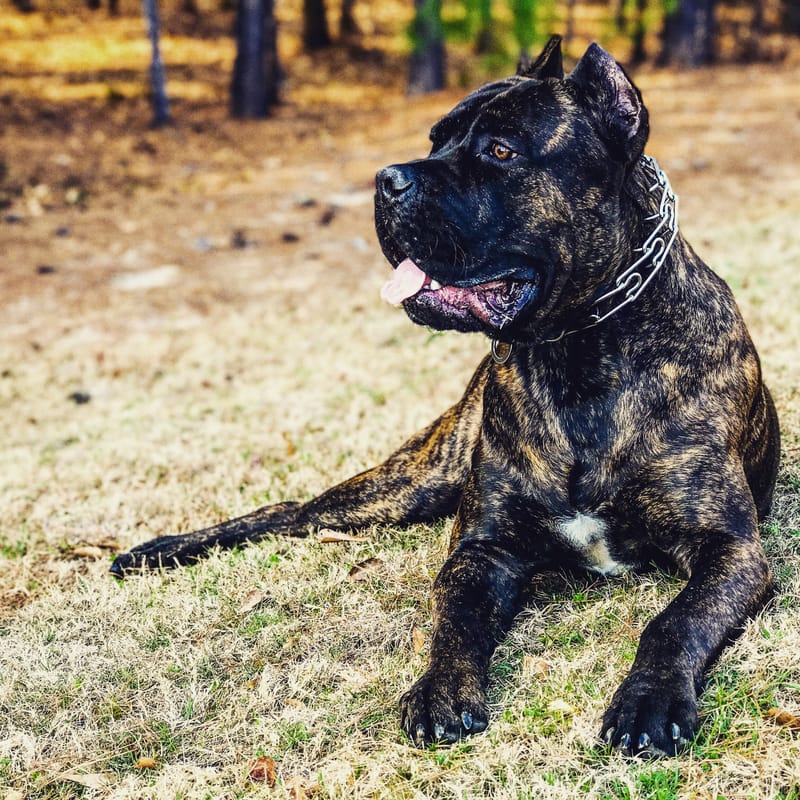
420 482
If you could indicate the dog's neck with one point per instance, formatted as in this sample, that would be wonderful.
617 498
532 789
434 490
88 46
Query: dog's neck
660 230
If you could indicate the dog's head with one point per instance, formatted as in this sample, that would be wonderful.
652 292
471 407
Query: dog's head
515 216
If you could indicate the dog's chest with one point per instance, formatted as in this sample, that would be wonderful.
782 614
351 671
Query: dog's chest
586 534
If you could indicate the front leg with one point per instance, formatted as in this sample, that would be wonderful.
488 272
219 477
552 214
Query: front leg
476 596
654 711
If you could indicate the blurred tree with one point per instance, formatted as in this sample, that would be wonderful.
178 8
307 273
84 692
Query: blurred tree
157 79
791 16
427 67
524 13
688 36
481 11
315 25
347 22
569 24
631 20
256 72
113 6
639 54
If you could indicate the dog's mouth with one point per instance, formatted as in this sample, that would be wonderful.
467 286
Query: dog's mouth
493 304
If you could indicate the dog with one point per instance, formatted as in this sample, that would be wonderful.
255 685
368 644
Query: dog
620 421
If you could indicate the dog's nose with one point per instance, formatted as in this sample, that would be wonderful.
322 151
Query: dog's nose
394 183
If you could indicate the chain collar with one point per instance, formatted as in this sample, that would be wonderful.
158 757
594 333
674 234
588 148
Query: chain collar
635 279
501 351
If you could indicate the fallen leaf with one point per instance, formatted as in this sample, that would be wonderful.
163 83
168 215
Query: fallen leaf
367 569
145 762
418 639
354 678
297 791
536 667
263 770
559 706
251 600
99 540
784 718
91 780
267 682
87 551
108 543
326 536
291 448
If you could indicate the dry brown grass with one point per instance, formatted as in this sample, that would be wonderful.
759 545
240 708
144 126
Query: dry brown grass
263 373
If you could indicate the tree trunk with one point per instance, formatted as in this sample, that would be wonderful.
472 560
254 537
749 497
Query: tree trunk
791 17
524 25
427 69
617 8
484 41
569 26
348 27
638 52
315 25
157 79
688 36
254 88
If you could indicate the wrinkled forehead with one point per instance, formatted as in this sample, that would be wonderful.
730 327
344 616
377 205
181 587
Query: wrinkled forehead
491 101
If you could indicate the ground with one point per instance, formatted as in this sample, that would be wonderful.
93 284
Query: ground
190 327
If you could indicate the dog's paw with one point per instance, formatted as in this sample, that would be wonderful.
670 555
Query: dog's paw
652 714
443 708
165 551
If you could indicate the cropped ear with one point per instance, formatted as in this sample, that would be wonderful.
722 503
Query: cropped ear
547 65
613 101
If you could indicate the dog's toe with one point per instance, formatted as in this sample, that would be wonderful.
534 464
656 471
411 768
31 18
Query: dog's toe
443 709
651 717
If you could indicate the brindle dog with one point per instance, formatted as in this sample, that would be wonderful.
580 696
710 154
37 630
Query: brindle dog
621 422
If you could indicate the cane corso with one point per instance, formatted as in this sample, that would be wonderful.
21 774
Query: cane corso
620 421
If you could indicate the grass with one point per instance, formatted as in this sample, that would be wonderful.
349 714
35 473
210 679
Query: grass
269 373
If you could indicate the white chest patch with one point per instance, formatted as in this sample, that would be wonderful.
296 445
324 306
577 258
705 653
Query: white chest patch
587 534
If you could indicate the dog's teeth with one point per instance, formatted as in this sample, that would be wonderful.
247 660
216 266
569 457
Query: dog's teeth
434 285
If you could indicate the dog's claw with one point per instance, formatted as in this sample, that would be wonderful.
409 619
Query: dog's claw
644 741
116 570
675 731
419 736
625 742
443 709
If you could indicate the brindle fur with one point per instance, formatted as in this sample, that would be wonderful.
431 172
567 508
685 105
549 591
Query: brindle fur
649 438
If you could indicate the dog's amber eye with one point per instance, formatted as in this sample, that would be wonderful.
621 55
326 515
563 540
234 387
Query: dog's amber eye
501 152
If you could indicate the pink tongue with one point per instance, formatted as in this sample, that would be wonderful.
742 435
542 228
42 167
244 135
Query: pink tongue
406 281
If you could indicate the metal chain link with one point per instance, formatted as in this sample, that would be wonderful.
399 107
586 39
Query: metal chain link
655 249
654 253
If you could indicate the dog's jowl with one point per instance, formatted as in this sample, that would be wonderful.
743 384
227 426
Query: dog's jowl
620 421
